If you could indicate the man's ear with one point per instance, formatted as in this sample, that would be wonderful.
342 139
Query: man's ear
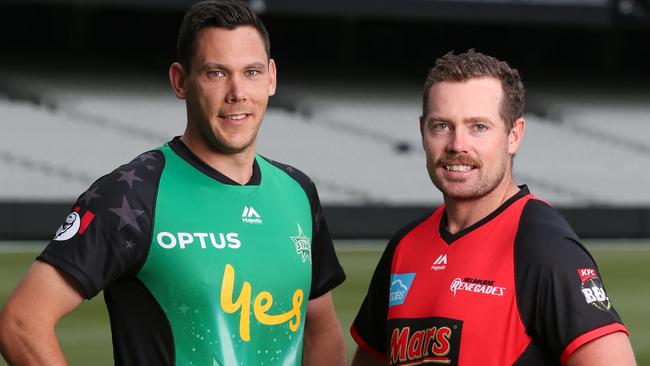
178 78
273 76
516 135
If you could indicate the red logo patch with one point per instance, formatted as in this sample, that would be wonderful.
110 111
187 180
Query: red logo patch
86 219
587 274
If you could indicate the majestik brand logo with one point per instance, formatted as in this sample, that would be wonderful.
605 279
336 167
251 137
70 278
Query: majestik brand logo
169 240
424 340
440 263
250 216
476 286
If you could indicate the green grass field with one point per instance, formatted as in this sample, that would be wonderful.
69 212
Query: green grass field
625 266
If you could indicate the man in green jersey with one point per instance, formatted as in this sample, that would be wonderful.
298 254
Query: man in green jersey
207 253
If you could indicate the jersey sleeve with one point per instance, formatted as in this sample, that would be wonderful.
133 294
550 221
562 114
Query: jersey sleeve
369 326
561 297
107 233
326 272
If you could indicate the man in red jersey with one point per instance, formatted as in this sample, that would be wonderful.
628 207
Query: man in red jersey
494 276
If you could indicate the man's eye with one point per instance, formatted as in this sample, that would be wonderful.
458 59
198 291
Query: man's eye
250 73
216 74
439 126
480 127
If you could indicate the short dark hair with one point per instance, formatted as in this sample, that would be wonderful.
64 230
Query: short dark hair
472 64
228 14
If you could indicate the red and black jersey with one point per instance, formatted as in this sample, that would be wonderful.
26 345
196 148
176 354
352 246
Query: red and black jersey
515 288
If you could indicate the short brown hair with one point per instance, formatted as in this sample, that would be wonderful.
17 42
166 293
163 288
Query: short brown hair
472 64
228 14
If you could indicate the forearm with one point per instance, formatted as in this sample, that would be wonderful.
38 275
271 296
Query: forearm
27 343
325 347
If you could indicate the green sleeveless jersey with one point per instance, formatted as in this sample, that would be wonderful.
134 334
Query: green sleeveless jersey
196 269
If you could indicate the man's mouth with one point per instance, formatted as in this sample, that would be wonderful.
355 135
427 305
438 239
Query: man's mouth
458 168
235 117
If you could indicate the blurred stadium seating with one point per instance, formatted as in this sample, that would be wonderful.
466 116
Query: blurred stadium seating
359 142
92 94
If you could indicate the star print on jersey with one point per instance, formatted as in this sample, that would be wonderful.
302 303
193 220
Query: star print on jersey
303 244
89 195
129 244
127 214
147 156
129 177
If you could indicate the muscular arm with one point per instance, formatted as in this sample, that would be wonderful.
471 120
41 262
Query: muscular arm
612 349
28 319
324 343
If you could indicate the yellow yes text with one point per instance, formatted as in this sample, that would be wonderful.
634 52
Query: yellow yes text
262 303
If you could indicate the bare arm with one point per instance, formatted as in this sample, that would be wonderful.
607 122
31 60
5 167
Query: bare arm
611 349
29 317
324 343
363 358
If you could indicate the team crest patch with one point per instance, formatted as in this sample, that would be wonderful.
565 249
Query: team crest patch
592 289
303 244
69 227
400 284
73 224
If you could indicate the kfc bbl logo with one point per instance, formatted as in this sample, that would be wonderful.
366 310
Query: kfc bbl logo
592 289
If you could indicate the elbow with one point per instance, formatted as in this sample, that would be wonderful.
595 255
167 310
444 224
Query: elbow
14 330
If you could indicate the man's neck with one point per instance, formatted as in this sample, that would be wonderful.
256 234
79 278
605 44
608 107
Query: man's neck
237 166
462 214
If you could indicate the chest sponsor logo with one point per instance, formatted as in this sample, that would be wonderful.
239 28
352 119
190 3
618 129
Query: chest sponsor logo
303 245
424 341
73 224
440 263
476 286
250 216
592 289
400 284
183 240
261 304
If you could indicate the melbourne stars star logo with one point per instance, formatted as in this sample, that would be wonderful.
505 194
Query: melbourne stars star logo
303 244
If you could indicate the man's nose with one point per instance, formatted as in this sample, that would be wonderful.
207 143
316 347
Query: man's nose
236 91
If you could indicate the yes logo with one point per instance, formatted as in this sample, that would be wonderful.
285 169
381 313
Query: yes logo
261 305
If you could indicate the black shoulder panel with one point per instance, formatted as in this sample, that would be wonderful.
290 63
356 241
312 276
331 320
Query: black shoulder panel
327 272
108 233
552 295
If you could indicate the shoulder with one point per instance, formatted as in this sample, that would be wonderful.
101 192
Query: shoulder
407 230
539 217
545 238
143 169
130 188
298 176
293 172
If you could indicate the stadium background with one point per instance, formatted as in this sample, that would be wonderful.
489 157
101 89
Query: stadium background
83 89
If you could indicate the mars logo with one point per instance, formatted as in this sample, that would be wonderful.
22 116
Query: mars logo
424 340
592 289
73 224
